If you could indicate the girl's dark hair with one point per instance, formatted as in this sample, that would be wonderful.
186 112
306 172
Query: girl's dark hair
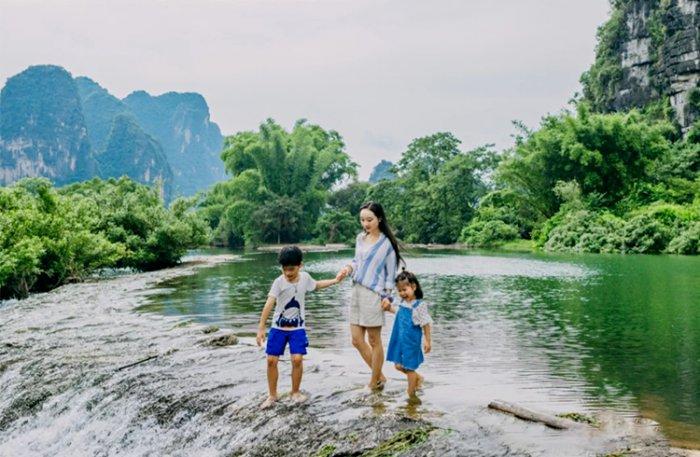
378 211
411 279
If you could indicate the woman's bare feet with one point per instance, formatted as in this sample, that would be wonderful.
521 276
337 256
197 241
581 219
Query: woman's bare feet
379 385
269 401
298 397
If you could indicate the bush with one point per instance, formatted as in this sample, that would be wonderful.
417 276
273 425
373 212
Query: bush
488 233
650 229
687 241
50 237
583 231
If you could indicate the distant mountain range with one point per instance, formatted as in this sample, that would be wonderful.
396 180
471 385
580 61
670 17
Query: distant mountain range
72 129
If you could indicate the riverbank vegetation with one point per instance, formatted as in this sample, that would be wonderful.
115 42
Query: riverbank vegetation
50 236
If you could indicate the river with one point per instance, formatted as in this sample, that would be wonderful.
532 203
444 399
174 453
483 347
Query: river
615 337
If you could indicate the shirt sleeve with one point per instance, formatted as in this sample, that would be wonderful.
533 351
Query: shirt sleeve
421 316
390 270
310 283
275 289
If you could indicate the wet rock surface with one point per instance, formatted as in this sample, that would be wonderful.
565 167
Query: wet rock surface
82 374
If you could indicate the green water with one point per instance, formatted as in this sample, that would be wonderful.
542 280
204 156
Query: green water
565 333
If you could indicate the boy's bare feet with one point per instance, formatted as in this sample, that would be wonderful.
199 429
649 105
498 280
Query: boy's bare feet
269 401
298 397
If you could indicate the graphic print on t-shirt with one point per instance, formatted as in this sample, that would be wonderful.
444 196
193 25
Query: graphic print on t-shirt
291 316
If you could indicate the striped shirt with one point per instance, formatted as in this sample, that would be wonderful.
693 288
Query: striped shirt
374 265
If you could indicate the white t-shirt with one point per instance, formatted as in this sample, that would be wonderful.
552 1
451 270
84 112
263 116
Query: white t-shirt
289 309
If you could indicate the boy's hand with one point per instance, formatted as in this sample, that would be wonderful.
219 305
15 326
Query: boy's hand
260 337
341 274
426 346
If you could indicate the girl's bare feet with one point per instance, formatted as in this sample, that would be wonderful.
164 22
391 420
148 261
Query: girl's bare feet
298 397
413 400
419 383
269 401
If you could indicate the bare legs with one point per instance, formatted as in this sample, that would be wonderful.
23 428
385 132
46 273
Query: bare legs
273 376
297 370
372 353
415 382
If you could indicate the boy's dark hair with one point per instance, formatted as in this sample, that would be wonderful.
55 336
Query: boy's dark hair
290 256
411 279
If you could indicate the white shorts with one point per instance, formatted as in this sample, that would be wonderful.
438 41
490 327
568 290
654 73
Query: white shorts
365 307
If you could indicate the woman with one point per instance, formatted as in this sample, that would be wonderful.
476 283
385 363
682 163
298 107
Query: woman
373 271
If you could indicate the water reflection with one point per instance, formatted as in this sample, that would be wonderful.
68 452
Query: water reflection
620 332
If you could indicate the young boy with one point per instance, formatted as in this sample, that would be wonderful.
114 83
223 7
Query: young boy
288 322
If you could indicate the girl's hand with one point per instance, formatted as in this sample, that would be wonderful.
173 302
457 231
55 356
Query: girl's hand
386 304
426 346
260 337
341 275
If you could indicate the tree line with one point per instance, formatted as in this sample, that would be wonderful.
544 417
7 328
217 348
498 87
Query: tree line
581 182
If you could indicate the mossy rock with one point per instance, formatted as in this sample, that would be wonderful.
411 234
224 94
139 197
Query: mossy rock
400 442
210 329
581 418
326 451
223 340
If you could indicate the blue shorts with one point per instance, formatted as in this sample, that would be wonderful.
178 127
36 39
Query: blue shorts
277 340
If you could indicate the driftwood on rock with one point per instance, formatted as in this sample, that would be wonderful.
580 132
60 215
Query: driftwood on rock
523 413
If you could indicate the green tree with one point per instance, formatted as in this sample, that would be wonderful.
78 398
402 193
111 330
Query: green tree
337 227
604 154
350 198
279 220
302 166
426 155
437 189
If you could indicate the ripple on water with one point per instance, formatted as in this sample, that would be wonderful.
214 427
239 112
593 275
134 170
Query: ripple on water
476 266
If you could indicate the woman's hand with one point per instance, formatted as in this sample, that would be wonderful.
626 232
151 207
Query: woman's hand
260 337
341 274
386 304
426 346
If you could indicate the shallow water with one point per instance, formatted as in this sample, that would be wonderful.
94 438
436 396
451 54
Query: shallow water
615 335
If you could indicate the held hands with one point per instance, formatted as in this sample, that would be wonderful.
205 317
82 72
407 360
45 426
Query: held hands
260 337
341 274
386 304
426 346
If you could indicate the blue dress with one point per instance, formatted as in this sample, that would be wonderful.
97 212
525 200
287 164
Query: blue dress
405 343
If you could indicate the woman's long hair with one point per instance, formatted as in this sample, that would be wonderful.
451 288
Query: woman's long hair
384 227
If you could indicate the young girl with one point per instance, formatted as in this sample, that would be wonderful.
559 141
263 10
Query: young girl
405 343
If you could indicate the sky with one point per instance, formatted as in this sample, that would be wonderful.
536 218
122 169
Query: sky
381 73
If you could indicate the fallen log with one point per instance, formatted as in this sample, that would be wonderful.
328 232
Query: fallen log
523 413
